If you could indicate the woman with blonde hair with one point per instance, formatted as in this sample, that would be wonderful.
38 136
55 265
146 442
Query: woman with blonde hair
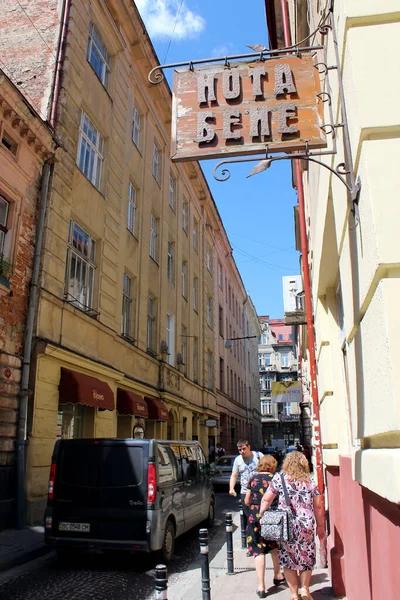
257 545
307 507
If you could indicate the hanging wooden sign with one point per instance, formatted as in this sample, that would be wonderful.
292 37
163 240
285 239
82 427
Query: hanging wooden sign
244 107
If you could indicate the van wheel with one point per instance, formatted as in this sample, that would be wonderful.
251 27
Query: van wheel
211 515
167 549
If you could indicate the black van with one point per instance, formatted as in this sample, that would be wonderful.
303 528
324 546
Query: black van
128 494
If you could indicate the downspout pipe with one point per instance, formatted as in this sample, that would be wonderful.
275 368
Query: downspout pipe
21 441
307 289
246 374
59 63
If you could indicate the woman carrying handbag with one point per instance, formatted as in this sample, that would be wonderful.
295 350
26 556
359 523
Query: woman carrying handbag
257 545
306 506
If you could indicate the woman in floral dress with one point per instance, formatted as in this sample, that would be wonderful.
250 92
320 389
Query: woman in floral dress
257 545
307 507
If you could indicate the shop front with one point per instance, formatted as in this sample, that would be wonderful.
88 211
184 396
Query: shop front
132 413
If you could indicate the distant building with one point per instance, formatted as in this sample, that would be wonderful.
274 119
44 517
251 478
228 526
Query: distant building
292 293
277 361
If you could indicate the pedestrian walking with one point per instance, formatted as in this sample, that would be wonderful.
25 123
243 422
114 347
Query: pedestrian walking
258 546
307 507
219 451
244 465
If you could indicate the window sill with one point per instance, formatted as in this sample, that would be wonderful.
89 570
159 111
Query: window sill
133 234
128 339
154 260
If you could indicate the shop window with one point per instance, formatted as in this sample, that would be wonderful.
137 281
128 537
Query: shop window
70 421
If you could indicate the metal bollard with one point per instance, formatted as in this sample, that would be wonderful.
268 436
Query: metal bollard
205 567
242 525
161 582
229 542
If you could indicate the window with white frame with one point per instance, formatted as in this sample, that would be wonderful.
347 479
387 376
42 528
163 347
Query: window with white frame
153 236
195 235
287 409
90 150
209 312
284 359
156 163
172 192
170 261
267 360
136 128
209 259
127 308
268 380
210 370
171 339
185 216
131 208
4 208
98 56
266 407
220 277
195 359
184 279
151 323
196 294
80 268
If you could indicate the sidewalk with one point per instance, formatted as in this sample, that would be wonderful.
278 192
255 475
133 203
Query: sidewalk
20 546
243 583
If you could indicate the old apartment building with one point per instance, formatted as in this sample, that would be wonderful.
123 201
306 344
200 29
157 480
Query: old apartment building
127 329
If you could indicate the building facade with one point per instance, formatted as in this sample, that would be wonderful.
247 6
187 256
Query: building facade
127 330
354 256
277 361
26 143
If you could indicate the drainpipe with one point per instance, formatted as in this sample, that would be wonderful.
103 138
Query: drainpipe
21 441
59 63
307 290
245 370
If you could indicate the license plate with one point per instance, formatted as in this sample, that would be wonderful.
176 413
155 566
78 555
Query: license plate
84 527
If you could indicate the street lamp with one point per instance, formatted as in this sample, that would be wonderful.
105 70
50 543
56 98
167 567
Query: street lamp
228 343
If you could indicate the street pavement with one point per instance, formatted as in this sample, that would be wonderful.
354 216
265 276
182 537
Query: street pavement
131 577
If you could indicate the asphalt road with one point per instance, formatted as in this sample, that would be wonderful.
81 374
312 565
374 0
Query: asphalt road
110 576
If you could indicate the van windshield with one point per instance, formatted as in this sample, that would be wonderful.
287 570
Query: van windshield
100 466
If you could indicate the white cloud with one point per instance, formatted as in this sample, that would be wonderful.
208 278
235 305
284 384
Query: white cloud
159 17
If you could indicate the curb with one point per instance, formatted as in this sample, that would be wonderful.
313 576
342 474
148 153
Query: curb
20 559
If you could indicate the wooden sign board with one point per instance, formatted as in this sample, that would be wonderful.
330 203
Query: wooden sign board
246 107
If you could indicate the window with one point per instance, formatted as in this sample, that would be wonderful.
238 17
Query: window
4 207
266 407
8 142
209 312
151 324
195 359
281 337
287 409
153 237
268 383
90 150
98 56
80 267
185 216
195 235
221 321
267 359
284 359
210 369
131 209
184 338
127 308
136 128
219 275
170 261
209 259
221 374
184 278
156 163
172 191
196 294
171 339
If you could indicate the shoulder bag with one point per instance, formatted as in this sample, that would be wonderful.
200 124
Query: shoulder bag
277 525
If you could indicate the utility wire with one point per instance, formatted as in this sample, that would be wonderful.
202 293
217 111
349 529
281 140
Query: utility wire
37 30
173 31
263 262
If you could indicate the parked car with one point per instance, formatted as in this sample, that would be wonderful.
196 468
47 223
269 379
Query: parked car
272 451
291 448
222 470
127 494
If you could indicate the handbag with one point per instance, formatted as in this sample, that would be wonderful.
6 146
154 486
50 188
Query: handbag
277 525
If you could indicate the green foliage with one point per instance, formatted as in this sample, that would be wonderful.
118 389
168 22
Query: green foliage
5 266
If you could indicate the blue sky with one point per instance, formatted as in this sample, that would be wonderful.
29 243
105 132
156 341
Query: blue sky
258 212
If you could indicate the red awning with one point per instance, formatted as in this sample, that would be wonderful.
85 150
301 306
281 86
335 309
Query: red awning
157 410
129 403
77 388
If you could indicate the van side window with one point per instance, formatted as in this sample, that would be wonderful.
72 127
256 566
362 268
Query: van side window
166 465
203 466
189 462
